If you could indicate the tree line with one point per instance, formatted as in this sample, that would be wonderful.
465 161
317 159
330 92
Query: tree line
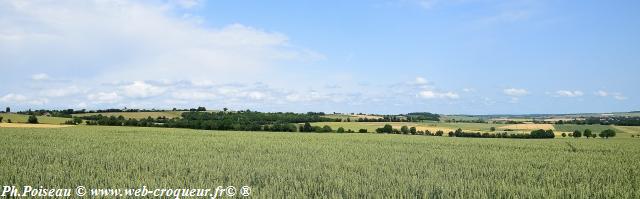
589 134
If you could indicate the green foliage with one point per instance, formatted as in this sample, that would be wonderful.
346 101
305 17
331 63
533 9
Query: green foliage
577 134
340 130
413 130
404 130
587 133
32 119
607 133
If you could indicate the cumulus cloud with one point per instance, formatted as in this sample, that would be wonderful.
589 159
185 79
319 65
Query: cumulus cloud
140 89
567 93
427 94
602 93
515 92
614 95
137 40
13 98
61 92
104 97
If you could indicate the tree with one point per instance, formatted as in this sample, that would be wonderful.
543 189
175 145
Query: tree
387 128
413 130
8 120
593 135
608 133
327 128
587 133
492 128
404 130
225 109
32 119
362 131
340 130
201 109
77 120
8 110
307 127
577 134
1 119
564 135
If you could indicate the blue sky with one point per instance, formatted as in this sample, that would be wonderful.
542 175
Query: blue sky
387 56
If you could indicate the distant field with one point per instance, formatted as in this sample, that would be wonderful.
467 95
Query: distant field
572 127
431 126
137 115
352 117
528 126
629 129
314 165
18 118
458 118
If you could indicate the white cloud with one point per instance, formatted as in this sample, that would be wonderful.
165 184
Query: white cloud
427 94
13 98
602 93
421 81
137 40
614 95
516 92
40 76
18 99
191 95
61 92
140 89
104 97
567 93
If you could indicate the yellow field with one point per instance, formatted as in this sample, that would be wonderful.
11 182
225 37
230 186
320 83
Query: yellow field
23 125
528 126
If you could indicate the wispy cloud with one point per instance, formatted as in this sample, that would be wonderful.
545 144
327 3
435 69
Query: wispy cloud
515 92
568 93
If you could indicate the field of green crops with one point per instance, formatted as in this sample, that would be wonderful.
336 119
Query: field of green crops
17 118
432 126
304 165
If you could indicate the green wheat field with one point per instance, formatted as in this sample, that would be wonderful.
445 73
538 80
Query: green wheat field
303 165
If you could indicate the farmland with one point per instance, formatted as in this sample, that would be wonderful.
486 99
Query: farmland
18 118
136 115
302 165
431 126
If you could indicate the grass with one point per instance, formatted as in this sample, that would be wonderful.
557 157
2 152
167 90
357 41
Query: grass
19 118
137 115
309 165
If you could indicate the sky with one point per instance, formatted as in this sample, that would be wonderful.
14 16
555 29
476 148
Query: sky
375 56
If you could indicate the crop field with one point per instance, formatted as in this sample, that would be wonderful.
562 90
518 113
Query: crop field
18 118
25 125
431 126
573 127
304 165
352 117
528 126
136 115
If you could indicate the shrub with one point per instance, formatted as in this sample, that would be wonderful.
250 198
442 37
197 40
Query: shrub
564 135
413 130
440 133
587 133
492 128
340 130
32 119
362 131
404 130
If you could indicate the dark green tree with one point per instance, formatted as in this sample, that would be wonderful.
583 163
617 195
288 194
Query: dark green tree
340 130
587 133
404 130
387 128
564 134
32 119
413 130
577 134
